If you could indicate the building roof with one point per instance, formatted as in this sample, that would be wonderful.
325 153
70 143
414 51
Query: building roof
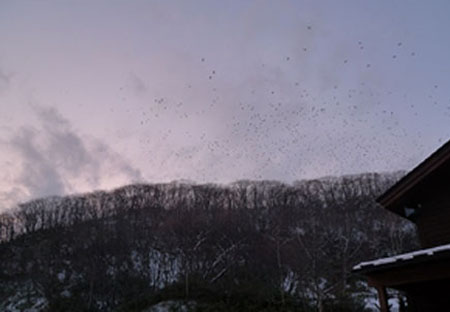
406 191
417 256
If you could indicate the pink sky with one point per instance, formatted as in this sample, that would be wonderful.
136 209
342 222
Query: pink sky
97 94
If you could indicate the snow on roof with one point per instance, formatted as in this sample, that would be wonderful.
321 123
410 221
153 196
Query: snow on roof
402 257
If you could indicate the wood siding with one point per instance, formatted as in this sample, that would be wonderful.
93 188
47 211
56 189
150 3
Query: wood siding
433 221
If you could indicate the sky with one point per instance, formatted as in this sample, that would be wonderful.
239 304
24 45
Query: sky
98 94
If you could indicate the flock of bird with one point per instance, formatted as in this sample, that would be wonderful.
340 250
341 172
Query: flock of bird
279 131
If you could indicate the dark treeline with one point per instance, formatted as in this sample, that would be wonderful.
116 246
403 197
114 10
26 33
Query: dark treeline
251 246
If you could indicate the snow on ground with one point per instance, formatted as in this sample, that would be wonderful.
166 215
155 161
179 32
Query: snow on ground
23 298
172 305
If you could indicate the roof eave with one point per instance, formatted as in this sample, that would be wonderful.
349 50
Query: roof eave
394 197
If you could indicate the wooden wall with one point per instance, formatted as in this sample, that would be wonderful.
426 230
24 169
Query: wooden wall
433 220
428 297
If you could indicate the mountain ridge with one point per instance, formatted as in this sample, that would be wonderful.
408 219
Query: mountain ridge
286 246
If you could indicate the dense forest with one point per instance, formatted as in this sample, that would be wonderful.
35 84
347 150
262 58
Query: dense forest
245 246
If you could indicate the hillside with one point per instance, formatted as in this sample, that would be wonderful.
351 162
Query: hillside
246 246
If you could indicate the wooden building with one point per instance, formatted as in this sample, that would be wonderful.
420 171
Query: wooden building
423 197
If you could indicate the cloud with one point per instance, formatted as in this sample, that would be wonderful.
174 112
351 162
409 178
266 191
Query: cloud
55 160
138 85
5 80
38 175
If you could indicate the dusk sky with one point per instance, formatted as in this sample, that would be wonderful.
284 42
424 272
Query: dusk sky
98 94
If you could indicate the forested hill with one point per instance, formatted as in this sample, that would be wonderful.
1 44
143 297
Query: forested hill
250 246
